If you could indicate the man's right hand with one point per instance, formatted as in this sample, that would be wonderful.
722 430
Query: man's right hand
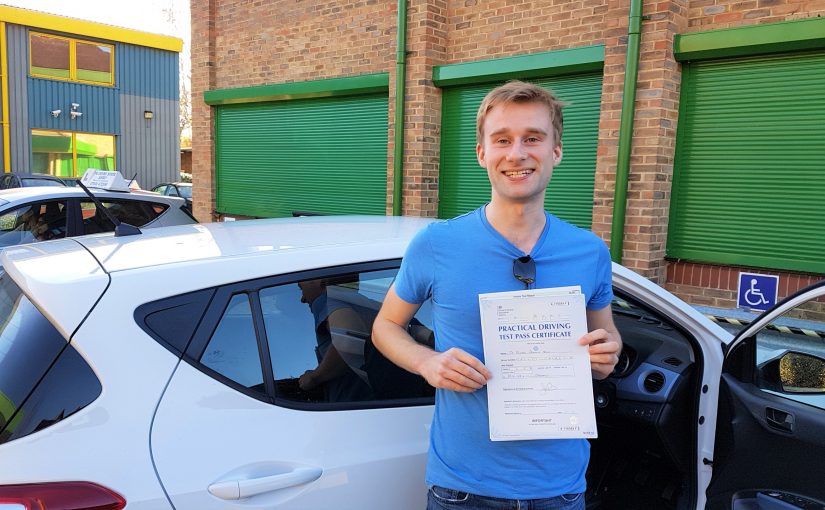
454 370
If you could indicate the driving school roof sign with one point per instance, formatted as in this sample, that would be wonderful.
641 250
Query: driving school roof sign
757 291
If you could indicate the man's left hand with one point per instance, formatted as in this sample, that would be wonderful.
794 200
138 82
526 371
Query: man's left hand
604 352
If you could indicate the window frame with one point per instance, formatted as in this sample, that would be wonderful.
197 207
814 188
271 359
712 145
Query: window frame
73 60
217 307
74 146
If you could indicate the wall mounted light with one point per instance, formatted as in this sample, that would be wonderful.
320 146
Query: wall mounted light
148 115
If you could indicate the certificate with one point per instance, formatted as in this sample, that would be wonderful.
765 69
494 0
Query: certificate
541 385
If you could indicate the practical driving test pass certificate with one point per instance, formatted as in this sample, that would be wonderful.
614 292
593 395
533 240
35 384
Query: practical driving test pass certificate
541 386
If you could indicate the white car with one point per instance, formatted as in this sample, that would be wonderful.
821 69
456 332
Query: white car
164 371
35 214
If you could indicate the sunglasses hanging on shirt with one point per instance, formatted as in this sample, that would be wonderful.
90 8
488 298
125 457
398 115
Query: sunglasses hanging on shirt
524 270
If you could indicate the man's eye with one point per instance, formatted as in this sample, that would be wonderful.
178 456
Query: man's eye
533 139
502 141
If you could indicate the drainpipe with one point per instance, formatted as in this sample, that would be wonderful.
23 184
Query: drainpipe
400 80
634 31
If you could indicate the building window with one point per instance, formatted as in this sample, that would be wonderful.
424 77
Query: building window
68 154
62 58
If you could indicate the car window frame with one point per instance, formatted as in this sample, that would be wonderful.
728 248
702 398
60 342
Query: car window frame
741 354
217 307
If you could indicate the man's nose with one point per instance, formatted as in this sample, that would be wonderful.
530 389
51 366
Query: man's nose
516 151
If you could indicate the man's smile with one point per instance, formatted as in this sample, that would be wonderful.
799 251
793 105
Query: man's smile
519 173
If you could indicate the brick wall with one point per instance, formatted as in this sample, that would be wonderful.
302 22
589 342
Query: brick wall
716 286
714 14
248 43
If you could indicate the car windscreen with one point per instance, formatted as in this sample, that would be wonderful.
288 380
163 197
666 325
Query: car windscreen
43 380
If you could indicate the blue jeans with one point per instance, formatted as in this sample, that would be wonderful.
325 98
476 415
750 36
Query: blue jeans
439 498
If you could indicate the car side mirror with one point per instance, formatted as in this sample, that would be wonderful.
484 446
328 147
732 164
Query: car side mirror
794 372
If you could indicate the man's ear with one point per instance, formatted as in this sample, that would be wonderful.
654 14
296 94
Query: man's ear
557 154
480 155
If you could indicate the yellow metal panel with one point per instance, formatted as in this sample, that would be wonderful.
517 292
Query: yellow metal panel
4 69
42 20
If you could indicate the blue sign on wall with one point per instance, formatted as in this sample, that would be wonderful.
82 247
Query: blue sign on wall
757 291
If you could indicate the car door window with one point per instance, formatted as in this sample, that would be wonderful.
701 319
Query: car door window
319 332
134 212
232 350
790 353
40 221
159 189
171 191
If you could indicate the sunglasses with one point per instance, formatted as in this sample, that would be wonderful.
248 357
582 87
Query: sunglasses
524 270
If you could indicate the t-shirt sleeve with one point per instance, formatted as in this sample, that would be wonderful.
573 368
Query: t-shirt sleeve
603 293
414 282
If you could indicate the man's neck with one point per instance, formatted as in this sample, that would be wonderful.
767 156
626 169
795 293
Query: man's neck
521 224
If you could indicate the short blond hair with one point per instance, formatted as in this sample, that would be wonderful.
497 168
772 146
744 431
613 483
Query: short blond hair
521 92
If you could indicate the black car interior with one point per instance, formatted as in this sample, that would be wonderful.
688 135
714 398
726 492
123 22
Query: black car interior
644 456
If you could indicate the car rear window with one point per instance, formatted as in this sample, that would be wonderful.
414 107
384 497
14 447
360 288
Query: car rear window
43 379
134 212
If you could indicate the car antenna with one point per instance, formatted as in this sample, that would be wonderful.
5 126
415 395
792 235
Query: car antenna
132 180
121 229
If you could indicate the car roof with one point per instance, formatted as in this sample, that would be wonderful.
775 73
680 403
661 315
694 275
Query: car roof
50 271
184 243
34 176
15 195
248 237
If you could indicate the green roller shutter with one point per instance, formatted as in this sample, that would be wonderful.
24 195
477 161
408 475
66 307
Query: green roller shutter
325 155
749 177
463 184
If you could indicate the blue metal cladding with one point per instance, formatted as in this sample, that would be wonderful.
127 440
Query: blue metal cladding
147 72
149 148
146 79
99 106
18 69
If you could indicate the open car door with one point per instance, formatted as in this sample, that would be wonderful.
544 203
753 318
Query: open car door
770 433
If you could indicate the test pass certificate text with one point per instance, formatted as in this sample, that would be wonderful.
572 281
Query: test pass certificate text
541 386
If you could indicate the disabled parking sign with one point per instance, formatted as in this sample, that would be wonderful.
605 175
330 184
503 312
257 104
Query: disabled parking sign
757 291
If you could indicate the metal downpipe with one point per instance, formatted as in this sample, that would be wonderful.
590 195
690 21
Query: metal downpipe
398 124
634 31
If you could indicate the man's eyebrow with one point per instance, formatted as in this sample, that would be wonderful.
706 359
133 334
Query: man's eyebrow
503 130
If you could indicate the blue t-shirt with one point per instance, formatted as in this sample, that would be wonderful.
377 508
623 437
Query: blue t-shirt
453 262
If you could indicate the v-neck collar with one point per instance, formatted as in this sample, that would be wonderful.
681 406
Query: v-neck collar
495 233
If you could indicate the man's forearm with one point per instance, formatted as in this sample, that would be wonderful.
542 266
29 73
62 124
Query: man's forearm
398 346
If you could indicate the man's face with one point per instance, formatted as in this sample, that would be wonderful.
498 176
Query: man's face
518 151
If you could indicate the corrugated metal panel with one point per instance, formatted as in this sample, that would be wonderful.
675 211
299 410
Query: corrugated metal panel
150 148
749 175
20 141
99 105
147 72
322 155
463 185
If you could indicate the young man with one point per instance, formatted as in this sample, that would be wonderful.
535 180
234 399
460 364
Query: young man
519 129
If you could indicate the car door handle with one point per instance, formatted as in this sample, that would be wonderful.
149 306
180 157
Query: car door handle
248 487
779 420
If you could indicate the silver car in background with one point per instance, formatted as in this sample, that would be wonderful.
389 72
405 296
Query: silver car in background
29 215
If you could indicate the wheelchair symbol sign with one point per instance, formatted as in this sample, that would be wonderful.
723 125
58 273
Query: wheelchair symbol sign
757 291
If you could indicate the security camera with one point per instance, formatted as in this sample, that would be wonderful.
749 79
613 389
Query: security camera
56 113
75 114
75 106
